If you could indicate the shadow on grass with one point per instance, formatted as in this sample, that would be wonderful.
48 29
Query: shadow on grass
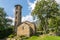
38 33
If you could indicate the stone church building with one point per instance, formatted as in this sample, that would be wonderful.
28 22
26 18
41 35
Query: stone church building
23 28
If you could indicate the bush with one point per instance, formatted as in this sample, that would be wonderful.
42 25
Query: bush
5 33
11 36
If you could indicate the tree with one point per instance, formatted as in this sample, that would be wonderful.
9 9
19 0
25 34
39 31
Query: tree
3 20
5 25
55 24
44 10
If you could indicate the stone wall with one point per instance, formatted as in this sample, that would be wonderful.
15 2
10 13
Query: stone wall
23 30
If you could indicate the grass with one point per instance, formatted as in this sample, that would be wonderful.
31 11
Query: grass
44 37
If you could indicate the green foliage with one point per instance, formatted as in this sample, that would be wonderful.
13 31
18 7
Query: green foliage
46 37
11 36
22 37
2 18
5 24
5 33
46 10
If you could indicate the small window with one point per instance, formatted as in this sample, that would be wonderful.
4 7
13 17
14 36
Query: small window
16 17
23 27
16 12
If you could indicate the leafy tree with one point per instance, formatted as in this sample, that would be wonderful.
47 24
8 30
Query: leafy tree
54 23
5 25
3 20
44 10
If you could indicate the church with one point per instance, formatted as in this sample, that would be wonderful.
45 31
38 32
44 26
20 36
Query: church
23 28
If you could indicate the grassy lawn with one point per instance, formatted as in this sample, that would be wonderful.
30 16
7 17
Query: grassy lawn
45 37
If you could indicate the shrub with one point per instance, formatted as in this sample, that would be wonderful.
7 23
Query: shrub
5 33
11 36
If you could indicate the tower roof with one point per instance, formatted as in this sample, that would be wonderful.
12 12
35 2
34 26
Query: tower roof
18 5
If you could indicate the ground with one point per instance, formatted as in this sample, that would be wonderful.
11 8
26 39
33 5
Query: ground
45 37
37 37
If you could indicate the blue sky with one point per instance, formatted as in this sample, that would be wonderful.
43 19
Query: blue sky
27 7
8 5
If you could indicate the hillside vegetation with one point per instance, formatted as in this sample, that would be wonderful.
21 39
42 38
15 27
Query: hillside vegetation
44 37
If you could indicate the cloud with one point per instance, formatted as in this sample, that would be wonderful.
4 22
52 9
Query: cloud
58 1
31 5
24 18
27 18
11 19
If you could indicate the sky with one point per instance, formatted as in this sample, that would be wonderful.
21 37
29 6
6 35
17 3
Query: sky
27 7
9 5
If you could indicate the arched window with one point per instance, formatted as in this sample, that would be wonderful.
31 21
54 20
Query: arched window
23 27
16 12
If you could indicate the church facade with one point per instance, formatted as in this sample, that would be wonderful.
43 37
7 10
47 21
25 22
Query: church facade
23 28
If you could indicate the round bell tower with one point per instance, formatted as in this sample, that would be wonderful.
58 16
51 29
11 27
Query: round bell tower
18 15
